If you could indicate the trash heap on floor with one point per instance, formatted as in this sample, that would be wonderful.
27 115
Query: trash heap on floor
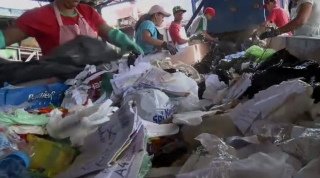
248 114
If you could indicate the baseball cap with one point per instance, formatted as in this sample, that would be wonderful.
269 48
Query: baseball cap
210 11
178 9
158 9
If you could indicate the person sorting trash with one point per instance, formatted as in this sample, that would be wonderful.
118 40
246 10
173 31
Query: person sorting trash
306 23
147 34
62 21
177 33
199 25
278 16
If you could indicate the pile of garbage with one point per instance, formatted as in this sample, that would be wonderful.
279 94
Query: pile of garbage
248 114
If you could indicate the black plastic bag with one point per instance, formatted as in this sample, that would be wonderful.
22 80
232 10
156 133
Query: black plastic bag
276 74
65 62
282 56
83 50
20 72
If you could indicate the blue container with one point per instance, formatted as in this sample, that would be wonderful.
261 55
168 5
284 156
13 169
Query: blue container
15 165
245 16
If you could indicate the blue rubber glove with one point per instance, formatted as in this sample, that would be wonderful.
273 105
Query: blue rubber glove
122 41
2 40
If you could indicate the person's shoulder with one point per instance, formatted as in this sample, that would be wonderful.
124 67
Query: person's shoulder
36 14
174 25
85 7
38 11
147 24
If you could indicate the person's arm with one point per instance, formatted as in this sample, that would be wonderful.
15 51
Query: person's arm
114 36
147 38
271 18
23 28
302 18
204 25
175 34
207 36
13 35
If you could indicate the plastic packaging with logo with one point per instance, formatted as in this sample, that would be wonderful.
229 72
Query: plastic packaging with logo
38 96
153 105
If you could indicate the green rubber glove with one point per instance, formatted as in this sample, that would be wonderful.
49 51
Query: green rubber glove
121 40
2 40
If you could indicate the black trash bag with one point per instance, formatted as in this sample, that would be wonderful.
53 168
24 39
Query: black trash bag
201 89
224 75
65 62
209 61
20 72
169 154
83 50
276 74
235 64
132 59
315 83
282 56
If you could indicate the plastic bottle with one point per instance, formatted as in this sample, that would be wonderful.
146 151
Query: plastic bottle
15 164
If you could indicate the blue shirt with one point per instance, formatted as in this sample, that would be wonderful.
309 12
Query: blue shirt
149 26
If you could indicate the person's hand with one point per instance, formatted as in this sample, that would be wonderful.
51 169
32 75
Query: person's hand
122 41
197 37
167 46
132 46
215 40
254 34
269 34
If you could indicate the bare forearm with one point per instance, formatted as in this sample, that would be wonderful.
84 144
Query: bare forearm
291 26
183 41
208 37
152 41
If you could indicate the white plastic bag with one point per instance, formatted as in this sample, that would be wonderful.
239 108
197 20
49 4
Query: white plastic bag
79 124
153 105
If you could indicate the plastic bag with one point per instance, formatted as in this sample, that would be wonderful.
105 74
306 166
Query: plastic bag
213 152
20 72
259 53
153 105
300 147
89 84
311 170
81 51
50 157
38 96
20 116
81 122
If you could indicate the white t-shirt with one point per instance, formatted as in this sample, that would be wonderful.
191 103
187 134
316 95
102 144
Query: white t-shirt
198 25
312 27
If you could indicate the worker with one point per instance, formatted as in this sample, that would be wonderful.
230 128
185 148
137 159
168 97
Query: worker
61 21
278 16
306 23
147 34
199 25
292 9
177 34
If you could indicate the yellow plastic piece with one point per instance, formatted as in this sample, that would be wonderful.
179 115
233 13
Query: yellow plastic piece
49 157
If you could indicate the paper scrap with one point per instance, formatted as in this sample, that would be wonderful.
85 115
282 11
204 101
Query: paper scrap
100 147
